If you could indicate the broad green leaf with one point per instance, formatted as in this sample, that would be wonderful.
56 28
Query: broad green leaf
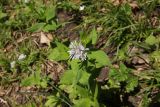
101 59
52 101
85 38
93 35
2 15
121 54
43 83
84 102
37 77
84 78
68 89
82 92
36 27
28 81
73 94
68 77
50 12
156 56
75 63
34 79
131 84
114 83
151 40
120 74
59 53
50 27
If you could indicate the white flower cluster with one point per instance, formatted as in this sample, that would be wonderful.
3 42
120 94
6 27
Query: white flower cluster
20 58
81 7
26 1
78 51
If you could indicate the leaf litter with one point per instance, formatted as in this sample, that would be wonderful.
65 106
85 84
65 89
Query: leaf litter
140 63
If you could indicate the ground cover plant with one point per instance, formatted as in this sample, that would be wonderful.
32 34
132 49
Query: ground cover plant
79 53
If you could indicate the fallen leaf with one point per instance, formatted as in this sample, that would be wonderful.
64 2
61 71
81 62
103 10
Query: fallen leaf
103 74
45 39
134 4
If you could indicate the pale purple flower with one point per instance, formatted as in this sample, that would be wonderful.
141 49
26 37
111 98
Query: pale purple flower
78 51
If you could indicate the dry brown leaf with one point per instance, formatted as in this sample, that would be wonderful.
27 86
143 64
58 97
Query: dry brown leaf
134 4
45 38
103 74
3 103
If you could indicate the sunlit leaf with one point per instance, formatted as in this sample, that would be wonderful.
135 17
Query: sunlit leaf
59 53
50 27
131 84
36 27
151 40
2 15
52 101
84 102
93 35
50 12
68 77
84 78
101 59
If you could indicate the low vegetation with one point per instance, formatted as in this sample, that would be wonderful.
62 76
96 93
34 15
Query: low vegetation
81 53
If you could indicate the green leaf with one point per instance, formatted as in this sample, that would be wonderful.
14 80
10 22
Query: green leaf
151 40
59 53
88 38
131 84
155 57
50 27
120 74
85 38
28 81
68 89
43 83
68 77
101 59
82 92
52 101
94 36
50 12
84 102
36 27
84 78
2 15
74 64
35 79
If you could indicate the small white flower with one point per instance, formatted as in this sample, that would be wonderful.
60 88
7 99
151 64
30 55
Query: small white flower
26 1
78 51
12 64
81 7
21 57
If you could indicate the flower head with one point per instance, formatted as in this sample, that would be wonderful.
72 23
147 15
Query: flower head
26 1
12 64
21 57
78 51
81 7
